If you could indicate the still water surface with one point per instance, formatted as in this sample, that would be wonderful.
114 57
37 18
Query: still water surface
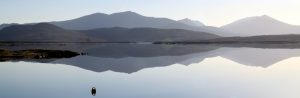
151 71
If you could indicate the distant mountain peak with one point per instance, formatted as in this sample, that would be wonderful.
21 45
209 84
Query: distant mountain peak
262 20
186 19
127 13
259 18
265 16
261 25
95 15
44 24
98 13
190 22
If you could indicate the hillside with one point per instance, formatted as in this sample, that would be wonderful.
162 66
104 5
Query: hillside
146 34
41 32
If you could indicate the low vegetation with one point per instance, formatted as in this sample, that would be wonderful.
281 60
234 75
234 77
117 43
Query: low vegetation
35 54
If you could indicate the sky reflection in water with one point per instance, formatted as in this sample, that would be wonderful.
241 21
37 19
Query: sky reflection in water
214 77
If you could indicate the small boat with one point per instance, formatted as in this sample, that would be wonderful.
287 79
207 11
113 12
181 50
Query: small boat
93 91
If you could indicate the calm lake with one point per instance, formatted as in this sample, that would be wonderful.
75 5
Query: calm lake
153 71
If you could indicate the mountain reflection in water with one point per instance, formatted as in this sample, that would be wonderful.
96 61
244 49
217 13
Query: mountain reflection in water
153 71
130 58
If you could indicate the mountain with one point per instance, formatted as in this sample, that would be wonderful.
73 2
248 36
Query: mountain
261 25
131 20
191 22
118 34
40 32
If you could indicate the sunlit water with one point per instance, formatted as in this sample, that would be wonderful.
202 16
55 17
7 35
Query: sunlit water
220 73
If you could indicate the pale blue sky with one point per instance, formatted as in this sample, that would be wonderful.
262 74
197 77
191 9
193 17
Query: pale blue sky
211 12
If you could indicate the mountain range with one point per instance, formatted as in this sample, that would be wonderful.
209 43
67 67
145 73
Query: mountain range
130 19
131 26
45 32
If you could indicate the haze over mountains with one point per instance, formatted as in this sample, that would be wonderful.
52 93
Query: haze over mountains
130 26
261 25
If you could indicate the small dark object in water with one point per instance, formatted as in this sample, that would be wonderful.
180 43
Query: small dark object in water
93 91
83 53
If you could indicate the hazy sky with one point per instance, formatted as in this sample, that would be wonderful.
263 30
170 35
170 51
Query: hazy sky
210 12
